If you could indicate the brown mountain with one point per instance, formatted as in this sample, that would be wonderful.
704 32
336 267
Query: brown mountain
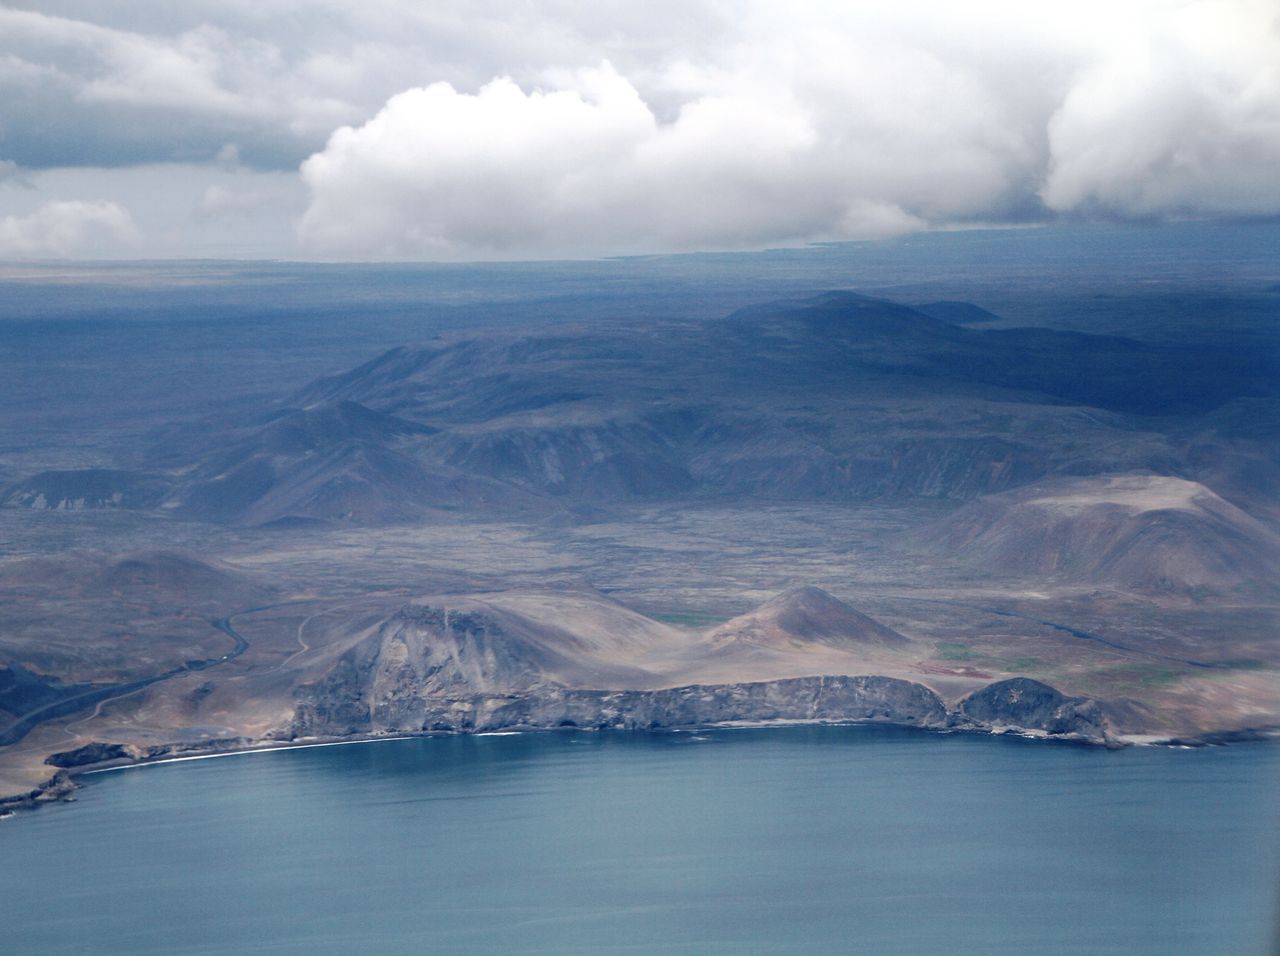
806 615
1142 532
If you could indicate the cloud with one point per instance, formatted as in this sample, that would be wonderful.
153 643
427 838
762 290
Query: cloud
228 158
588 169
65 228
91 82
195 210
79 93
220 200
498 128
851 123
11 175
1180 118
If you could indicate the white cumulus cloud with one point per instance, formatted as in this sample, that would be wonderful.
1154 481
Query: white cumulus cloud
588 169
500 128
1182 117
66 228
824 122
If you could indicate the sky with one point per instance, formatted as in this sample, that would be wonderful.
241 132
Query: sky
510 129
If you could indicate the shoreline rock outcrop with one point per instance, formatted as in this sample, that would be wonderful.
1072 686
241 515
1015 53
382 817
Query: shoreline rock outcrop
1021 703
1018 704
58 787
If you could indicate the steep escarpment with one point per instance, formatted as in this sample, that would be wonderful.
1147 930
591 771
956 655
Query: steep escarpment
510 661
835 698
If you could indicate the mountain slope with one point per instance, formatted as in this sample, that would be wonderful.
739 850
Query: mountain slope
806 615
1142 532
839 397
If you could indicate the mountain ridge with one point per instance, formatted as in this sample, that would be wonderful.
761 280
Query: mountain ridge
840 397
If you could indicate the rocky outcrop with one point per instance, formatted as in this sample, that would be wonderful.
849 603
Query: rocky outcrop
58 787
835 699
96 752
1021 703
341 707
423 655
335 709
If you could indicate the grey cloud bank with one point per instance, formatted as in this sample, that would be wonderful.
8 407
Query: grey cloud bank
496 131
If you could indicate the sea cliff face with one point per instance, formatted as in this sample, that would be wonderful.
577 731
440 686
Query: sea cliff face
1019 705
477 666
884 699
1026 704
341 707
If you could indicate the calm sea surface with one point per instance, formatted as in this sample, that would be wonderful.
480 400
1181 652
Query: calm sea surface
833 840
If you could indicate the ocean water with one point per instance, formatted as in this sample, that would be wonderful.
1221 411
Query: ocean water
829 840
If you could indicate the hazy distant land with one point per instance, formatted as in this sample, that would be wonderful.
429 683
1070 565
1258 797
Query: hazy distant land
595 509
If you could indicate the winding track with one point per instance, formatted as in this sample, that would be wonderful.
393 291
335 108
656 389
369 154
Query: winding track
1081 635
101 695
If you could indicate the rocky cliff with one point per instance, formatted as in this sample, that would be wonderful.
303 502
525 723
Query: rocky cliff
1021 703
491 662
338 708
835 699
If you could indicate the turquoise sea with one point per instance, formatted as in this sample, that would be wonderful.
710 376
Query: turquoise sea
806 839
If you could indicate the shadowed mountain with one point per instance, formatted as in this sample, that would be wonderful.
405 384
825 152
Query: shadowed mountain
802 616
179 577
299 431
836 398
837 345
88 488
842 331
1235 450
175 572
83 623
338 462
958 313
1144 532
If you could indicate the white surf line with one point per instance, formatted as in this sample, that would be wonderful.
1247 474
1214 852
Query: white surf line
252 750
267 750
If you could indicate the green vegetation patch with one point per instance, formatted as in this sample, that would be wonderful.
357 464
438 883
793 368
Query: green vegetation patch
1245 664
953 651
1145 676
689 618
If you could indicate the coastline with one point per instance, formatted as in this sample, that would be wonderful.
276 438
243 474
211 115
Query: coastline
62 785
